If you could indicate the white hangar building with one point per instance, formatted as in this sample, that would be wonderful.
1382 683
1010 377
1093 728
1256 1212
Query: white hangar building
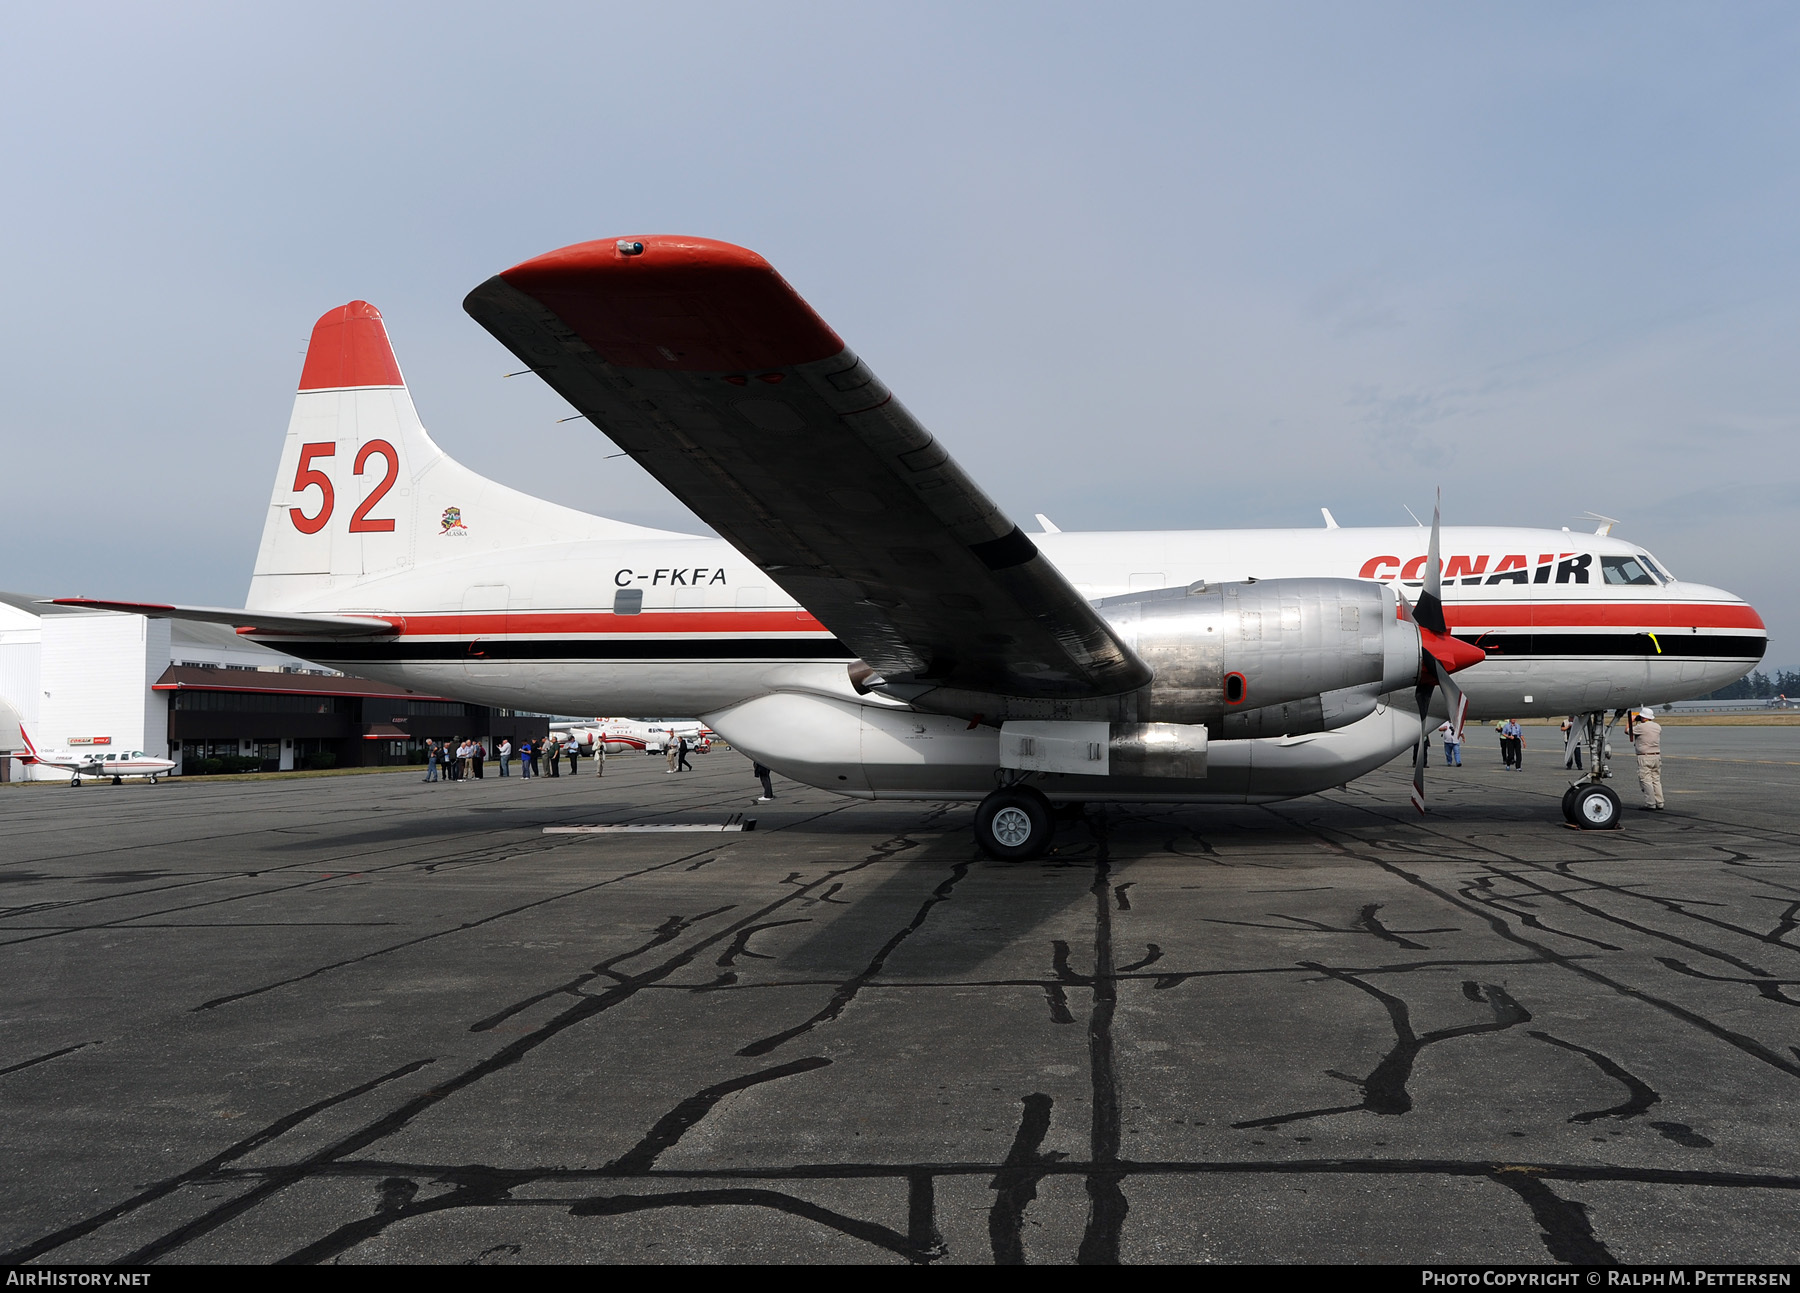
95 680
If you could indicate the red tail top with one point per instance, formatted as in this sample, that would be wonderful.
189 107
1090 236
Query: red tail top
349 348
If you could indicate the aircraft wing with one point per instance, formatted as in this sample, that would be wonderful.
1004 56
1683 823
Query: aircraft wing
700 361
290 623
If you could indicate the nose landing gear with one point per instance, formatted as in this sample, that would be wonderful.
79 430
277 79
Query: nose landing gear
1588 803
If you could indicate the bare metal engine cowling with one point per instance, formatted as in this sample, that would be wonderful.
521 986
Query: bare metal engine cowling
1268 657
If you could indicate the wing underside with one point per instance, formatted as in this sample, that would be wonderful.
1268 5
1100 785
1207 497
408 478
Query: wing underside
701 362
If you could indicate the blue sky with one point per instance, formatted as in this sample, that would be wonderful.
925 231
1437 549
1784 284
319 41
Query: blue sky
1154 266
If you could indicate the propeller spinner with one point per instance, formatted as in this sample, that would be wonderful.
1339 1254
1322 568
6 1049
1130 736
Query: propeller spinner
1440 655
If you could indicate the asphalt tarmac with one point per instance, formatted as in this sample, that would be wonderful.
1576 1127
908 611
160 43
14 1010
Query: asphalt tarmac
362 1019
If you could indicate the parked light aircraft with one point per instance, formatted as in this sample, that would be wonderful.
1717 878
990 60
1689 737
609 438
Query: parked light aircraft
117 764
871 622
624 735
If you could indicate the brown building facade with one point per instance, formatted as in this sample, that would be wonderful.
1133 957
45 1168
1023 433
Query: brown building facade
296 720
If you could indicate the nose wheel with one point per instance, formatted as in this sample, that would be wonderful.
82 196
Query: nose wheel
1591 806
1013 824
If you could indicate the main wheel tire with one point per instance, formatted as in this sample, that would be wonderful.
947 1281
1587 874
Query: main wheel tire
74 781
1597 808
1013 825
1568 804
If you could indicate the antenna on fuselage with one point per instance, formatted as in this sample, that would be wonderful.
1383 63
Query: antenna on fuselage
1414 515
1606 522
1330 520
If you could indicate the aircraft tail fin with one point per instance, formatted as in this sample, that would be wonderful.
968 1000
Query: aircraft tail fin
31 755
363 493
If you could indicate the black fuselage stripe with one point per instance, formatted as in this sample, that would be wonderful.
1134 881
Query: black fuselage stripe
756 650
1671 642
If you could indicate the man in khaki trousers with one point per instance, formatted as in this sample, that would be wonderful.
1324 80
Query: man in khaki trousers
1646 739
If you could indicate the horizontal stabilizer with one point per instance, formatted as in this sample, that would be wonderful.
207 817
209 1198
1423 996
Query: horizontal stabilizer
258 622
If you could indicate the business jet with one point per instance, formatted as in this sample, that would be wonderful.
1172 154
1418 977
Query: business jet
81 763
871 622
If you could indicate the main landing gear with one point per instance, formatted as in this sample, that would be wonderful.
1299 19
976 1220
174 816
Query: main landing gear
1590 804
1014 824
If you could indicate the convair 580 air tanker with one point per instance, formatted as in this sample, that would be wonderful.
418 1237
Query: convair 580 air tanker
871 622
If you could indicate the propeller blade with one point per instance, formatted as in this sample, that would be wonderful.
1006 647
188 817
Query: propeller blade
1454 696
1420 750
1430 611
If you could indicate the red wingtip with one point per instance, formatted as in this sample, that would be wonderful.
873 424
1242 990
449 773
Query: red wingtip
349 348
674 302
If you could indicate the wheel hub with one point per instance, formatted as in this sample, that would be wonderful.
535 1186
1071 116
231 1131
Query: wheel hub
1012 826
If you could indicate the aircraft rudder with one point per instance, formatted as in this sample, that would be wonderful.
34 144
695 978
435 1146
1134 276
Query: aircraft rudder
342 507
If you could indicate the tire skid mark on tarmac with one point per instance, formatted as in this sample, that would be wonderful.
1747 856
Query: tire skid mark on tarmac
465 926
1641 1095
45 1059
273 1181
208 1171
1565 1228
1500 926
1384 1089
481 853
848 989
1107 1206
667 932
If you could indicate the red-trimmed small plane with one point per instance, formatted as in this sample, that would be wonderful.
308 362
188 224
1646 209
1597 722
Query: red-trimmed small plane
871 622
116 764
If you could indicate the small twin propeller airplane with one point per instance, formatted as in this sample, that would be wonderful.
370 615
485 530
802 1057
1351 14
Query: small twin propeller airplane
870 621
118 764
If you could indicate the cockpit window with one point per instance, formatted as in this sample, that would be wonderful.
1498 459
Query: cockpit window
1625 570
1653 568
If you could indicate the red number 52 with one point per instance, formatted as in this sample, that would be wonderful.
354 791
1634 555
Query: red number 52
360 521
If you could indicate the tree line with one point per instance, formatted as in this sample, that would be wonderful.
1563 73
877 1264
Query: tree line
1758 685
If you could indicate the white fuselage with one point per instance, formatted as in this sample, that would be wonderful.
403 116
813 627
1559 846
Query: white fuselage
534 628
80 764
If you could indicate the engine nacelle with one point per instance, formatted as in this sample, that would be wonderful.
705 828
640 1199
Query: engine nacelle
1267 657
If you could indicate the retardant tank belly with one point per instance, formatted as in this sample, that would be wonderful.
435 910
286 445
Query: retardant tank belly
874 752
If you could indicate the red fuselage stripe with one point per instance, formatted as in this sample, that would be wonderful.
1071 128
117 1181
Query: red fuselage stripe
1626 615
606 624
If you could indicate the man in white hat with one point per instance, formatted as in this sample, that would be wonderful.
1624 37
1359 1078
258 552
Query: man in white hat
1646 739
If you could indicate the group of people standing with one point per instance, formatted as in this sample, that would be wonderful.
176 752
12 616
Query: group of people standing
458 759
1641 727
